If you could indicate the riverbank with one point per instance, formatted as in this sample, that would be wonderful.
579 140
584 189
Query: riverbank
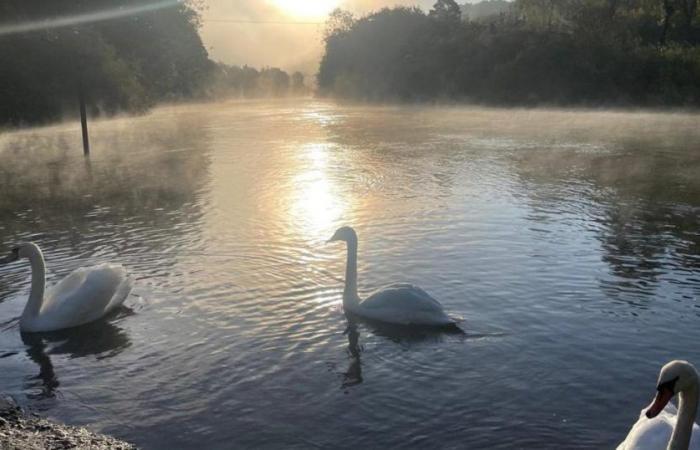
20 430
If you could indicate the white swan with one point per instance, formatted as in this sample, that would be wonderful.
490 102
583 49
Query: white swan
83 296
661 426
402 304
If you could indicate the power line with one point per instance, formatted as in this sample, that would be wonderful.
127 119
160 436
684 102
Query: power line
260 22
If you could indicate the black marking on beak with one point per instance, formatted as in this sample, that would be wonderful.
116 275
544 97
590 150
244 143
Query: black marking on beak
670 385
664 394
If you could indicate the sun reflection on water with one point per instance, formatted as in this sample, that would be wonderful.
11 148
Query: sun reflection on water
316 204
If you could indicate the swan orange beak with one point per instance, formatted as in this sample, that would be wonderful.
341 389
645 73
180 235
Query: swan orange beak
663 396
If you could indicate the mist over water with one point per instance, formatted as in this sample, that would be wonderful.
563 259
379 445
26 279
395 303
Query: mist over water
569 241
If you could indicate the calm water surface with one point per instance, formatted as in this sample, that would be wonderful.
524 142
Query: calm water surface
569 242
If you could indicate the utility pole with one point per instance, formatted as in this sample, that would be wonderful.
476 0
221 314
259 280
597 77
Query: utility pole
83 120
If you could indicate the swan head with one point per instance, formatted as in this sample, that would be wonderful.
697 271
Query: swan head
346 234
676 376
21 251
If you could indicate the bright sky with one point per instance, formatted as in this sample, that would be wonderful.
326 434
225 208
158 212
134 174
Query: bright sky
259 32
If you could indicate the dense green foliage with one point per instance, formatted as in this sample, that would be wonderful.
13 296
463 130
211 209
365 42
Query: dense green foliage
126 63
642 52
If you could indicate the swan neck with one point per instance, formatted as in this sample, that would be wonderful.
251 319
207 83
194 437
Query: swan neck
350 293
687 410
36 294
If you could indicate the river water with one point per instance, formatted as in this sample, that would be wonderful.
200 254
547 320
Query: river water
568 241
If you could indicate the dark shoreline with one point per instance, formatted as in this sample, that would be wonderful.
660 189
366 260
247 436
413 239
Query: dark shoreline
22 430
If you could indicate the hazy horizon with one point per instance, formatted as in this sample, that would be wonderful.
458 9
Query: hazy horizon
267 34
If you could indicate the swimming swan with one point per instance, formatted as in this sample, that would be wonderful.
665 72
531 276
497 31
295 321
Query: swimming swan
83 296
402 304
662 426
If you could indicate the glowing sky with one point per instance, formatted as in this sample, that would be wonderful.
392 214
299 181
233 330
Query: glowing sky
306 9
258 32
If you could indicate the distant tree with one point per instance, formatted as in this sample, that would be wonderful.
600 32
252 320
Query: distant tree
247 82
668 8
375 56
297 80
486 10
683 13
273 82
546 14
446 11
339 21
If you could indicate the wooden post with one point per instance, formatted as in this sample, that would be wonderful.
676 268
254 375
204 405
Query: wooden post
83 121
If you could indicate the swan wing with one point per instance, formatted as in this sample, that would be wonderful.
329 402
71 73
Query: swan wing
654 434
85 295
59 293
404 304
402 296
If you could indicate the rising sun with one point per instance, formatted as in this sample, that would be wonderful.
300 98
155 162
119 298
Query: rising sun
307 9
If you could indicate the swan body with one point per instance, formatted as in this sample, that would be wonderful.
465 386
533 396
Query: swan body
662 426
402 304
85 295
654 434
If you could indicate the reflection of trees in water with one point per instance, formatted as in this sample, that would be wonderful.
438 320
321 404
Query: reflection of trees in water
643 200
143 180
101 339
651 224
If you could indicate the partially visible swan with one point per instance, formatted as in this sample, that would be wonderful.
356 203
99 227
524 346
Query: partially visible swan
83 296
402 304
661 426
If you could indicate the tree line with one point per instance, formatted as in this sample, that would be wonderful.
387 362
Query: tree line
592 52
246 82
125 63
123 55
